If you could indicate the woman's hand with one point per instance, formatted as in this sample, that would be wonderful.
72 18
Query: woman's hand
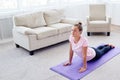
82 69
66 64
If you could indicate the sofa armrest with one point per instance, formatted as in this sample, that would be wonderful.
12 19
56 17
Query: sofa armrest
88 20
108 19
70 21
24 30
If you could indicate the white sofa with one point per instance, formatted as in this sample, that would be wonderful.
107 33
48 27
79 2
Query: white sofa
40 29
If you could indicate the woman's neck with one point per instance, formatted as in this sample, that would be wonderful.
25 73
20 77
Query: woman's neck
76 39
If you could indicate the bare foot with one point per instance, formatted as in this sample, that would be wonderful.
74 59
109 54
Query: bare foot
111 45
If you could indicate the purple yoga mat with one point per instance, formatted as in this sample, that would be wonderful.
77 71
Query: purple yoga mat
72 72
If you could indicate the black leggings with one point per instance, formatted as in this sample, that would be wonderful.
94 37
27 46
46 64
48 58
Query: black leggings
100 51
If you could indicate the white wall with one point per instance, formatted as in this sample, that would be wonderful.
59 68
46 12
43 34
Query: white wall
115 14
77 11
6 26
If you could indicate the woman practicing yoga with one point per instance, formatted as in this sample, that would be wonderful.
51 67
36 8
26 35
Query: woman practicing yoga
79 45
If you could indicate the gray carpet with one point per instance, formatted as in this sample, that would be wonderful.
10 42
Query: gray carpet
17 64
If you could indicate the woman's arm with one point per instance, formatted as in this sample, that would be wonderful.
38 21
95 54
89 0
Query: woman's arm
70 56
84 67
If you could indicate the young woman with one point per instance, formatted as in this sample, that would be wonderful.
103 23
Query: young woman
79 45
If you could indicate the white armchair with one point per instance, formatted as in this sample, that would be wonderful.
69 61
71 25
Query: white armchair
97 20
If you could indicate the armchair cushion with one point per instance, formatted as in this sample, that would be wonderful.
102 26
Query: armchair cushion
97 12
98 22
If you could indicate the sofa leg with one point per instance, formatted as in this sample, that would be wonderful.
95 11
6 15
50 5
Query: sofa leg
17 46
31 52
108 33
88 33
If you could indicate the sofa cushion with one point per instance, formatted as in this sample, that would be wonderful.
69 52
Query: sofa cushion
31 20
25 30
70 21
62 27
53 16
43 32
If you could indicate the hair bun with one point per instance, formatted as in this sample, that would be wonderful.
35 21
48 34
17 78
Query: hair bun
80 23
